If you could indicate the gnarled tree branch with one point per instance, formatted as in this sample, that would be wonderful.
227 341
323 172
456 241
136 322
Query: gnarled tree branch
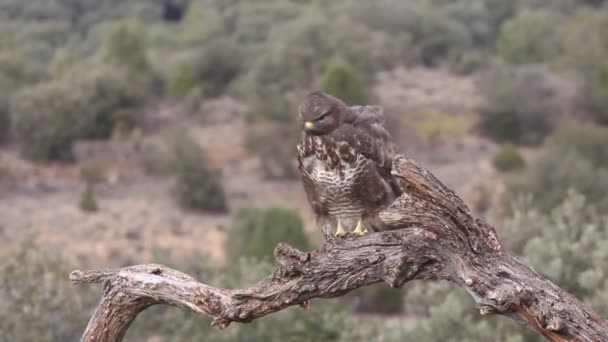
435 237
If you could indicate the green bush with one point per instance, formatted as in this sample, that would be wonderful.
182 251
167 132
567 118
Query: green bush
218 64
530 37
196 185
273 225
255 232
573 158
521 105
39 304
4 118
182 80
87 200
278 160
124 47
242 224
377 298
508 158
17 72
342 81
595 94
50 116
270 105
156 159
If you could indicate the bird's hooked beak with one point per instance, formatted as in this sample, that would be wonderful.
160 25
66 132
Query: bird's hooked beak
308 125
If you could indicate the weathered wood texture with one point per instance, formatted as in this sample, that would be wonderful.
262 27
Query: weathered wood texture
434 237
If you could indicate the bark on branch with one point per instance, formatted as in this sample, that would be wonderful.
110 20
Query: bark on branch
435 237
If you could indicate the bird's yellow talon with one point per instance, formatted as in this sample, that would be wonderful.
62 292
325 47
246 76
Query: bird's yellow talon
340 232
359 231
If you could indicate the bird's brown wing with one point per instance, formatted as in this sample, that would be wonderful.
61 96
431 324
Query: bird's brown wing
370 138
306 161
375 140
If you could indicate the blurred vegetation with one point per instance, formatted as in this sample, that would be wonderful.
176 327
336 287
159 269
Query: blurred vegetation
88 102
37 301
267 51
530 37
508 158
196 185
255 232
342 81
520 104
87 200
4 118
274 143
573 158
91 172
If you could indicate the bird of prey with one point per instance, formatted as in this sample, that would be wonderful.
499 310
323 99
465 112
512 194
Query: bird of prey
344 157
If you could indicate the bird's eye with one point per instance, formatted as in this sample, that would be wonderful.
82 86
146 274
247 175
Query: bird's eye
321 117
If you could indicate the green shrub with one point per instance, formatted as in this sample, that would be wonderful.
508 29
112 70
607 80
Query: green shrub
278 160
377 298
242 224
50 116
47 119
584 43
218 64
16 72
273 225
255 232
196 185
35 288
182 80
192 103
124 47
157 160
522 104
595 94
342 81
4 118
87 200
270 105
508 158
573 158
530 37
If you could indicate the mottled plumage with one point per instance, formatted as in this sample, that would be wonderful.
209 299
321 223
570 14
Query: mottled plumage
345 156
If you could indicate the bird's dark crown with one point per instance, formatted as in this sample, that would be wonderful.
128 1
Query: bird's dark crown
321 113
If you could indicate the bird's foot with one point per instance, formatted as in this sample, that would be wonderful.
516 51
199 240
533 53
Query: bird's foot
340 232
359 231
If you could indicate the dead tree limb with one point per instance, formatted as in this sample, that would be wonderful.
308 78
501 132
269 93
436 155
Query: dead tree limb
435 237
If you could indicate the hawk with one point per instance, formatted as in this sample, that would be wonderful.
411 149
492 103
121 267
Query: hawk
344 157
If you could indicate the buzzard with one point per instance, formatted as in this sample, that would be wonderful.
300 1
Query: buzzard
345 156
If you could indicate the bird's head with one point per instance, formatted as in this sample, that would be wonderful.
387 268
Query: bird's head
321 113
